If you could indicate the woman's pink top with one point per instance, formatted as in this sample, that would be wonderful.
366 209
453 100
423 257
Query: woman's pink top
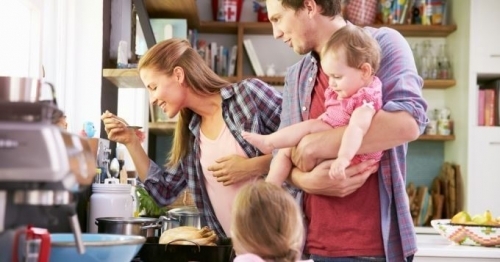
220 196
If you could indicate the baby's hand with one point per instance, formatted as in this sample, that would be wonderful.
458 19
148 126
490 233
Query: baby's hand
337 169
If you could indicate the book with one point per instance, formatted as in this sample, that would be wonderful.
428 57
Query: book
480 108
252 55
231 71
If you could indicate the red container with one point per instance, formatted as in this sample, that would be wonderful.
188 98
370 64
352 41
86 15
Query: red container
227 10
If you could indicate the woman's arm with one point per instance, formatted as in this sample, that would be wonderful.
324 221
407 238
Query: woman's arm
116 130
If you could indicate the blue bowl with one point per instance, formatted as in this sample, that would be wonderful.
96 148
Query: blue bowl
98 247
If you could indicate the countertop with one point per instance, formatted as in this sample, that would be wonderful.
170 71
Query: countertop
436 246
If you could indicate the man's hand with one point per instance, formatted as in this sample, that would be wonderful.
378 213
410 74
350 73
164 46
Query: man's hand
230 169
319 182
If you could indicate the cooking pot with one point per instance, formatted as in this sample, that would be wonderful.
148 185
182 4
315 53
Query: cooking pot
139 226
23 89
181 216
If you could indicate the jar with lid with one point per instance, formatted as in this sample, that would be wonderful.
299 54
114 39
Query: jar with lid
109 200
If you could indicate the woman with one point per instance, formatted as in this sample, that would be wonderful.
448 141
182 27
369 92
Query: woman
208 154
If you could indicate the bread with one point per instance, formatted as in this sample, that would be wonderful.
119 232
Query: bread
186 235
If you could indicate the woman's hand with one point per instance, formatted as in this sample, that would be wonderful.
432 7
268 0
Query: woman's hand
230 169
116 130
319 182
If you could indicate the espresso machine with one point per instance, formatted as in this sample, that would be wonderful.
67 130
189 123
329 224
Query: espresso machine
42 167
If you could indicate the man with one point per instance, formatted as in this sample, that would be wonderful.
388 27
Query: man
364 217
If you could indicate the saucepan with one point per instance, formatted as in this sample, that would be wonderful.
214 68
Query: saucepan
181 216
139 226
23 89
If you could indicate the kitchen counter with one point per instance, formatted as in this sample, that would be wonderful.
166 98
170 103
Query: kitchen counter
434 247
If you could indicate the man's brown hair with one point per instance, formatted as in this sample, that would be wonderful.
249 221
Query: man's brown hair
329 8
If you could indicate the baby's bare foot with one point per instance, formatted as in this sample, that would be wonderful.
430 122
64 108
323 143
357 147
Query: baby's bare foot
259 141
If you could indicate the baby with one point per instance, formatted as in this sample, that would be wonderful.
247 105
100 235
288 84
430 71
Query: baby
350 59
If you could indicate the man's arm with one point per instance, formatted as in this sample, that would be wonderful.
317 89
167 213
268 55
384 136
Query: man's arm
388 129
317 180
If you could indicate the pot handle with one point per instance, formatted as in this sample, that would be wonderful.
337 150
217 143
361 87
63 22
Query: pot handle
157 225
52 91
182 239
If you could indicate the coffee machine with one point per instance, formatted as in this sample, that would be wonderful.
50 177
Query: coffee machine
42 170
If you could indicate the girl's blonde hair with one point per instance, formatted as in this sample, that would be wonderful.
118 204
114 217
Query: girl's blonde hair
267 222
358 46
164 57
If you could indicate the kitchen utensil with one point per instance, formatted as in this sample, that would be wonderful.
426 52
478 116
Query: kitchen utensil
99 247
126 125
470 235
181 216
152 251
140 226
23 89
114 168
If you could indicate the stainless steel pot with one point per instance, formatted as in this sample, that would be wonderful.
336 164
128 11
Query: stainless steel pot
22 89
181 216
139 226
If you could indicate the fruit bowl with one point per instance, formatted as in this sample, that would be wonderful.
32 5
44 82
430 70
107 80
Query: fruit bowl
470 235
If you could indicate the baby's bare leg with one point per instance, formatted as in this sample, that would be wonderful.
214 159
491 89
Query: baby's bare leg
286 137
262 142
280 167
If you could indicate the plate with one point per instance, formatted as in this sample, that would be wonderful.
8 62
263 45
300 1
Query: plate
470 235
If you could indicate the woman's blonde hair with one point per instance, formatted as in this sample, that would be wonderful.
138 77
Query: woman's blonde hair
358 46
164 57
266 221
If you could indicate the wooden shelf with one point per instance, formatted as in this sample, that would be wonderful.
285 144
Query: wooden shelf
129 78
265 28
436 138
162 128
123 78
439 83
272 80
185 9
422 30
211 27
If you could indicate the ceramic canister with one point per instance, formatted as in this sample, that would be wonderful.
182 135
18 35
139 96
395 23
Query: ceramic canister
109 200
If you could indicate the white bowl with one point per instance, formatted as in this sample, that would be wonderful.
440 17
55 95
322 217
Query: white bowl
471 235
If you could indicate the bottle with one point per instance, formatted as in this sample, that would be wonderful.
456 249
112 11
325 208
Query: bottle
122 57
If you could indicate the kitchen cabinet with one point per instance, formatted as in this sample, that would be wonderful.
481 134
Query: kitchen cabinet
484 172
484 142
485 19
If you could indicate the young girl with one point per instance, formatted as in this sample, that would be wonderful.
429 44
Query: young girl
350 59
267 224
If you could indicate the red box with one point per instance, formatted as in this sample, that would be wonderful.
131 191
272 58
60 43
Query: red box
227 10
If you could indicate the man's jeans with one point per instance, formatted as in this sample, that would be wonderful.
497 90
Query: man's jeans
352 259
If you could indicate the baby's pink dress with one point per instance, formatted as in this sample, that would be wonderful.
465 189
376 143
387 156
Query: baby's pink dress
338 112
